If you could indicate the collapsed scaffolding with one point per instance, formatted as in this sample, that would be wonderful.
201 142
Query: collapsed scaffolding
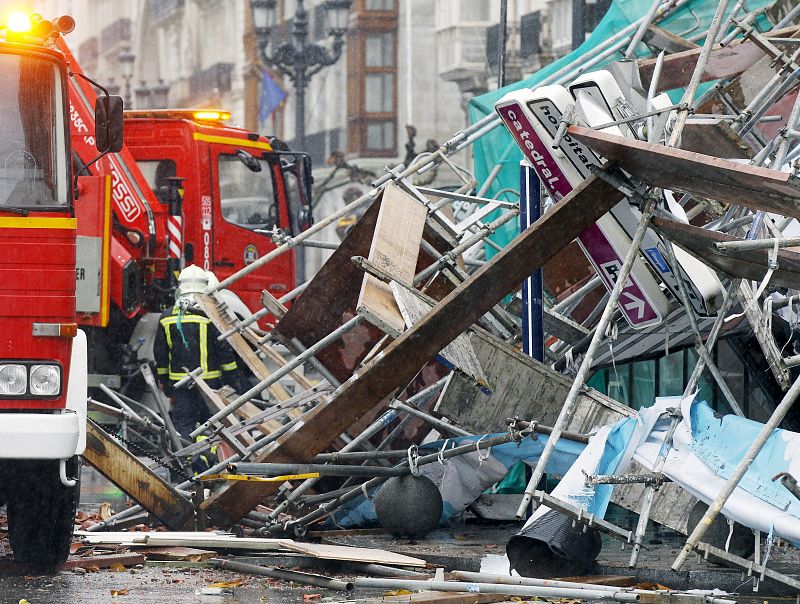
395 319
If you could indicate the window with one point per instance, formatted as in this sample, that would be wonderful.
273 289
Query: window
32 136
156 172
474 10
379 92
246 197
383 5
380 136
379 50
372 73
637 383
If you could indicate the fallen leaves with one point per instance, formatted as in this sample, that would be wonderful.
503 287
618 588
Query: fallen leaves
224 584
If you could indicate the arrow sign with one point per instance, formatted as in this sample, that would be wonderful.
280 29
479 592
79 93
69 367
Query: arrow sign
634 304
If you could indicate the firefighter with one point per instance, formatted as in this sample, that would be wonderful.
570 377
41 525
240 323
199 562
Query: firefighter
187 339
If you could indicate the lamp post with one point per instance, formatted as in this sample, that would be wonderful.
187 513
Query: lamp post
112 87
143 93
160 98
300 60
126 59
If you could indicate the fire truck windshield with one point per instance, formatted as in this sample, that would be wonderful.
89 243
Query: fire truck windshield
247 198
33 171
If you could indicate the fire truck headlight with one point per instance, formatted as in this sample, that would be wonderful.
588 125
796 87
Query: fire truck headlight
45 380
13 379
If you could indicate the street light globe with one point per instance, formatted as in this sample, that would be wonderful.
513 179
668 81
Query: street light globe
264 17
126 59
338 14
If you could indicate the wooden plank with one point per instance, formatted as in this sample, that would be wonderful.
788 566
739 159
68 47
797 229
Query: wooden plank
662 39
394 249
521 386
563 328
276 357
178 554
142 485
446 597
240 346
724 62
330 300
458 354
104 560
708 135
184 539
215 403
703 175
745 264
404 357
325 551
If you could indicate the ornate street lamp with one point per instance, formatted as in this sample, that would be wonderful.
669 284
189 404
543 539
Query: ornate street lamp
112 87
126 59
143 94
300 60
160 95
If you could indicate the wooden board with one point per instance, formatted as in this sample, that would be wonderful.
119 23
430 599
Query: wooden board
240 346
324 551
403 358
703 175
185 539
215 403
458 354
724 63
745 264
521 386
446 597
178 554
104 560
709 135
563 328
662 39
394 249
330 300
142 485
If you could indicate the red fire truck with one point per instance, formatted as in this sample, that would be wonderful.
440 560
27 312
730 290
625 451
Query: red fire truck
43 368
186 189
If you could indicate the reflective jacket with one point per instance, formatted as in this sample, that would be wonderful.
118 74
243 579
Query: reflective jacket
189 340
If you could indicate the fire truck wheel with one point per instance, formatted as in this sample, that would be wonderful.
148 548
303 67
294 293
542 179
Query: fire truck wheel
41 512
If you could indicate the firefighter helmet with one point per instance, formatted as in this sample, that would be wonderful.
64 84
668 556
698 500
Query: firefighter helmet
192 280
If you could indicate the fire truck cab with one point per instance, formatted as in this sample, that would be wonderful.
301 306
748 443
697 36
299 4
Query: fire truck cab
236 186
43 366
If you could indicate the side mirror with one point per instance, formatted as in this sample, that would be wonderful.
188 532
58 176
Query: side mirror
108 124
248 160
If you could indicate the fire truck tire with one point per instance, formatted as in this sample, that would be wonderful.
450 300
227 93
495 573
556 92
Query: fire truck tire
41 513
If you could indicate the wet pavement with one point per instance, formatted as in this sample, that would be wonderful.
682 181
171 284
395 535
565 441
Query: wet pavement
150 585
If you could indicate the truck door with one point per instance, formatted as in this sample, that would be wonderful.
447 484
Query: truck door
248 205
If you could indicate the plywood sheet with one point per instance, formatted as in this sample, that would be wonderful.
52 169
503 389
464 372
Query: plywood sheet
458 354
703 175
395 249
354 554
521 386
330 300
745 264
724 63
